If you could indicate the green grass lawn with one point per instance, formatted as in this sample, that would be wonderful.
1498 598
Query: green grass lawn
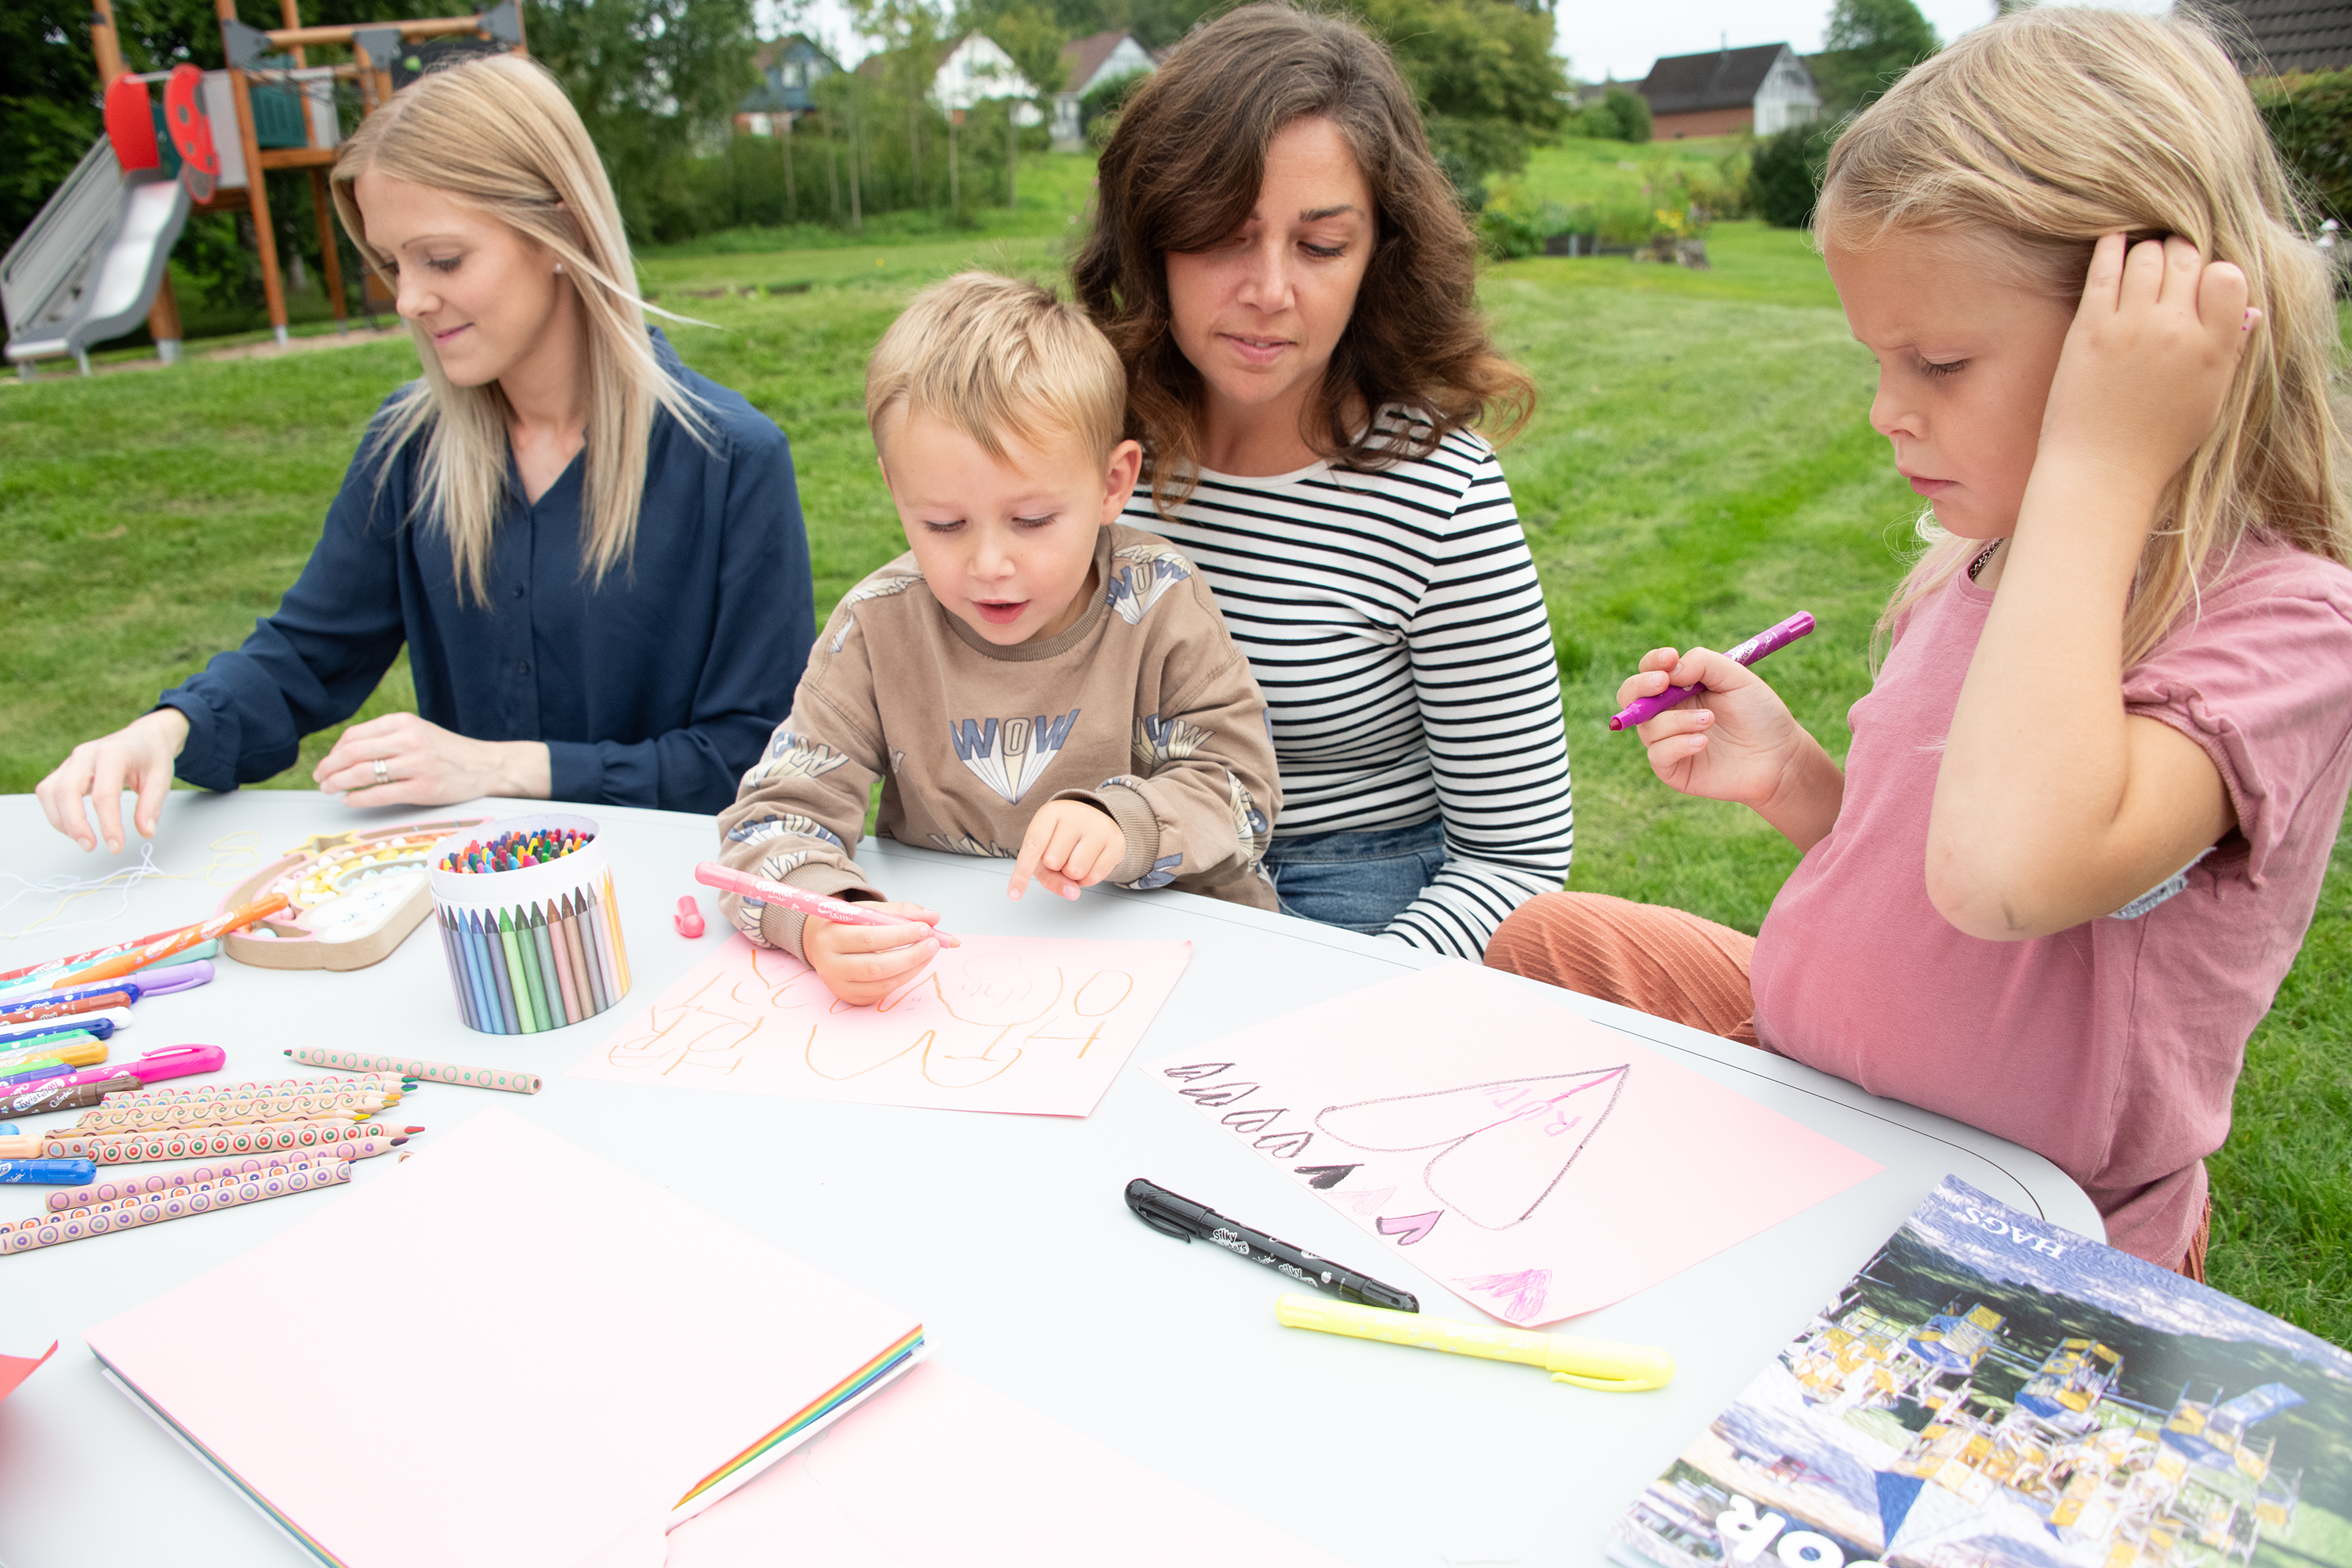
1700 467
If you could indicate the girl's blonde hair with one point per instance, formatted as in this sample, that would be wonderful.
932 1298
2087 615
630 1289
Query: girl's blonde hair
2048 128
498 134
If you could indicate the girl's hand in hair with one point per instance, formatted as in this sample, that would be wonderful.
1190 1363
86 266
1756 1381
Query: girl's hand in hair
2147 364
427 765
1737 741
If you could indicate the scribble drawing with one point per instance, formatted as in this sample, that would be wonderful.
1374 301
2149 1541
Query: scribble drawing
704 1032
1502 1148
1198 1071
1371 1202
1521 1294
1323 1178
1410 1229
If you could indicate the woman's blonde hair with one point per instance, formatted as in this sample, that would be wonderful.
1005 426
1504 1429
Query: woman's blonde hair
2048 128
498 134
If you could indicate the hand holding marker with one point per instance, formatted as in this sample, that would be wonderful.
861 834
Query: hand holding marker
1762 646
726 879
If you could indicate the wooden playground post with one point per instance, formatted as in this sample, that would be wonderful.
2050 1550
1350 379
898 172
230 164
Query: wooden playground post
330 264
256 185
106 47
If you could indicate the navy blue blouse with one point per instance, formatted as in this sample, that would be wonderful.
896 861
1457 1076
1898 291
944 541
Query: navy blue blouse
658 688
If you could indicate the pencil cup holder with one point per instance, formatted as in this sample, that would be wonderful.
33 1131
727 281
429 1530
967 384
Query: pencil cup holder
538 946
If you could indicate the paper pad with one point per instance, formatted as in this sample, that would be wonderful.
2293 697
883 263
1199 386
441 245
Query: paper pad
1003 1023
940 1470
504 1352
1536 1163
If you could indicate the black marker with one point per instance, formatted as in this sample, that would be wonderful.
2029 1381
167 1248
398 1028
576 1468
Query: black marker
1182 1219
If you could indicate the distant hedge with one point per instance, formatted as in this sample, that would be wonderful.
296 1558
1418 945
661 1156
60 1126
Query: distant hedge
1784 175
2310 117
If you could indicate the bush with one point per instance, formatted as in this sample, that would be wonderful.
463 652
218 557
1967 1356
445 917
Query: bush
1620 116
2310 118
1098 110
1784 177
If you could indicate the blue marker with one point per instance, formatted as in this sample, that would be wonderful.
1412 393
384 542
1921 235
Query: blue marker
51 1033
49 1172
34 1073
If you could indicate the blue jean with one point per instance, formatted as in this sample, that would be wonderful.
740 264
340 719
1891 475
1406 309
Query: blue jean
1360 881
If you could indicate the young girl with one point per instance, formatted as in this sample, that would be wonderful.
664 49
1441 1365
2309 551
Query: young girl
2090 800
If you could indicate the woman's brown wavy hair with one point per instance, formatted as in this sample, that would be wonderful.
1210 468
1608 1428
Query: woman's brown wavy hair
1182 172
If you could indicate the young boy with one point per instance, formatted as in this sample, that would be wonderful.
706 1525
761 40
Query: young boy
1032 674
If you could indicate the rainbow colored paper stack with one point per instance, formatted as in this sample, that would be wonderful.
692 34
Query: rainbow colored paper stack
538 946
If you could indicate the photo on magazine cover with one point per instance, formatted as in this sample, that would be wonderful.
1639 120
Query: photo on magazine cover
1992 1392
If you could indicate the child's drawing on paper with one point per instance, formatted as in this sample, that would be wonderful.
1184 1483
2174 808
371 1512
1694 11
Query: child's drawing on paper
1534 1163
1007 1024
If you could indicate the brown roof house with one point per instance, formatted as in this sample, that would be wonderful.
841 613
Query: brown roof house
2275 38
1764 89
1093 60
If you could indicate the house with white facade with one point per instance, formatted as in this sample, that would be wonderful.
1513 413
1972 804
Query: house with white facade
1091 62
1764 89
976 69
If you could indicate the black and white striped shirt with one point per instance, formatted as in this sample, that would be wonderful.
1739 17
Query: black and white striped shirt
1397 626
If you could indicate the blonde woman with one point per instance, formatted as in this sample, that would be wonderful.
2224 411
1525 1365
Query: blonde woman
2091 797
594 556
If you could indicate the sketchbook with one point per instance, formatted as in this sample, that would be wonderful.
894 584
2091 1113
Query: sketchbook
545 1361
1992 1392
1533 1161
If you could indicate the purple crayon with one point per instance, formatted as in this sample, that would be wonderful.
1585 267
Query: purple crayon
1770 641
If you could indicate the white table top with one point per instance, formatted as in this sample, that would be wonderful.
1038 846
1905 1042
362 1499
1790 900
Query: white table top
1006 1235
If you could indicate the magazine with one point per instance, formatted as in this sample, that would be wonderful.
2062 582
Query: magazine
1992 1392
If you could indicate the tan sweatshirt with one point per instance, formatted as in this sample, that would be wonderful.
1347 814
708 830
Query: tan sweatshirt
1144 709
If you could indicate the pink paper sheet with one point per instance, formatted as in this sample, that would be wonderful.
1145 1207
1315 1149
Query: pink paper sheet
1003 1022
550 1352
1538 1163
16 1369
939 1470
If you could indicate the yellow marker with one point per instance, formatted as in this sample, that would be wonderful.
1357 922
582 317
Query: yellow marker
1588 1363
78 1049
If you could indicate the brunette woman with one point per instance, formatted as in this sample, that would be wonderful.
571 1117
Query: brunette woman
1290 280
594 556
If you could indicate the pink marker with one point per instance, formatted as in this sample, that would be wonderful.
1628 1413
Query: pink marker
1640 711
710 874
689 919
171 1061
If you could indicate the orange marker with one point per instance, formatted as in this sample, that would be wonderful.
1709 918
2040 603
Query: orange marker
180 940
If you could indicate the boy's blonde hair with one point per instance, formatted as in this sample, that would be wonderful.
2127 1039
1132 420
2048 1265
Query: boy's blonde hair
499 135
2046 128
995 356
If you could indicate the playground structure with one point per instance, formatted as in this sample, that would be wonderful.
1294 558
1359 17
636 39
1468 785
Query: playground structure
93 261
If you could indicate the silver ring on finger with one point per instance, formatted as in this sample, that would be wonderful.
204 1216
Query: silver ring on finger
383 772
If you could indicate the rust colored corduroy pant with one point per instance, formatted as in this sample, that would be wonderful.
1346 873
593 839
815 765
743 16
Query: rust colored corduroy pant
1666 962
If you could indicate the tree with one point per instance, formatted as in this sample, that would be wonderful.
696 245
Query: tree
1869 43
2310 118
1484 72
1784 177
654 81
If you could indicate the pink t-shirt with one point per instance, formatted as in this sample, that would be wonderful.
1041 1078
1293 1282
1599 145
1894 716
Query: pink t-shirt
2111 1048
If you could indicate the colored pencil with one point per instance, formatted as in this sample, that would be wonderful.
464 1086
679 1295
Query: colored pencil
363 1083
534 968
178 1189
509 1019
134 1181
526 995
429 1071
221 1113
559 992
198 1142
575 1007
612 932
477 973
260 1188
526 1016
580 963
456 970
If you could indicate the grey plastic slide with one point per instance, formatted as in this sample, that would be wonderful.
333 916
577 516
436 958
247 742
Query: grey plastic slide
87 268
